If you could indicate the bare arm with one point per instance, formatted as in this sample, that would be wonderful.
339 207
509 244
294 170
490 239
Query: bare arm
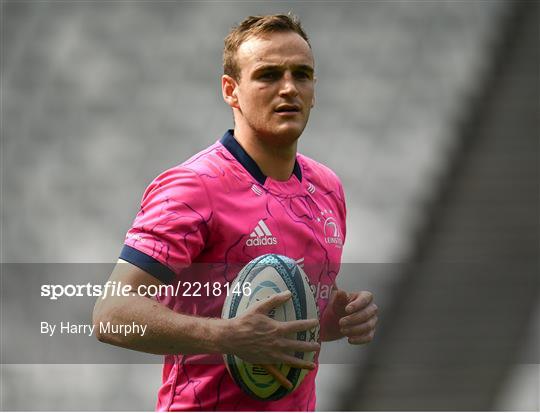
251 335
168 332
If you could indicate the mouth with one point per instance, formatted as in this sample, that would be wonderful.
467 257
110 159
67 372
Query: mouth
287 109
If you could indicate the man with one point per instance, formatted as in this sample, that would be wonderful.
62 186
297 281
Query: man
248 194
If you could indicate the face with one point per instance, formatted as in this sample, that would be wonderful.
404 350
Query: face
275 92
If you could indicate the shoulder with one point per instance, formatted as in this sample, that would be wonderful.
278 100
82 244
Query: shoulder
188 176
206 163
319 174
326 183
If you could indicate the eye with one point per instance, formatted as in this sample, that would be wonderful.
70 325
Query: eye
301 75
270 75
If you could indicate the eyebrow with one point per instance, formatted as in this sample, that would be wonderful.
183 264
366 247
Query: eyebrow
305 68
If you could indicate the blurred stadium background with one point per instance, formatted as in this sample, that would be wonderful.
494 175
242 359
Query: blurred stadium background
428 111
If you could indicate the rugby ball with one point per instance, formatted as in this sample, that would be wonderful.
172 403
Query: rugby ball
260 279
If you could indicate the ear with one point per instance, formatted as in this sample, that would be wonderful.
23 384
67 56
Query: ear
229 88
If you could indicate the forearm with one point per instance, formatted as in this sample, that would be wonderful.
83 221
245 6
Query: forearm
167 332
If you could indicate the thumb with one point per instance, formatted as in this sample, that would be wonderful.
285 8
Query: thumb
272 302
341 300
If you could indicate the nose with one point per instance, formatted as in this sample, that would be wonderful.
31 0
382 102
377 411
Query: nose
288 85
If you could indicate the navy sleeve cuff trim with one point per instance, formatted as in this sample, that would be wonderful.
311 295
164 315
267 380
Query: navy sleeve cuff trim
147 263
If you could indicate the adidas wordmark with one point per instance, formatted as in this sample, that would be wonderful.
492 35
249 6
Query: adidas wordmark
261 235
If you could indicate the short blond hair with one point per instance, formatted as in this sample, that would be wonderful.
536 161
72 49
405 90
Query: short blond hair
256 26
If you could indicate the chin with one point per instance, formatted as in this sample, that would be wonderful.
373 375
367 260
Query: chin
289 134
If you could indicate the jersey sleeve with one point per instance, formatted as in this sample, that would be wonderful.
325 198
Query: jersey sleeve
172 225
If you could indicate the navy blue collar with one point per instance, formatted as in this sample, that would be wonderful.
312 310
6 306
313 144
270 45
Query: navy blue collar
228 140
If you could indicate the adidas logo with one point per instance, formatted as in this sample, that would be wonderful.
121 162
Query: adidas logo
261 235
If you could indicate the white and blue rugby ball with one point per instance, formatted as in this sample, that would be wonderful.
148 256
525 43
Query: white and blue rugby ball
265 276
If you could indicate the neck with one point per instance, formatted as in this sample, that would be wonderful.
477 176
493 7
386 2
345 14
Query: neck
275 160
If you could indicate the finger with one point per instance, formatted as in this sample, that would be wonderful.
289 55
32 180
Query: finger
297 345
288 327
364 339
296 362
277 375
265 306
360 329
360 316
362 300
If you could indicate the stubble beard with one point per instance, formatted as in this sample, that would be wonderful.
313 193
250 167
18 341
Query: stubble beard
279 138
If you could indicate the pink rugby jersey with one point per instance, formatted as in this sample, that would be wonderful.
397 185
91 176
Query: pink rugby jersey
200 222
